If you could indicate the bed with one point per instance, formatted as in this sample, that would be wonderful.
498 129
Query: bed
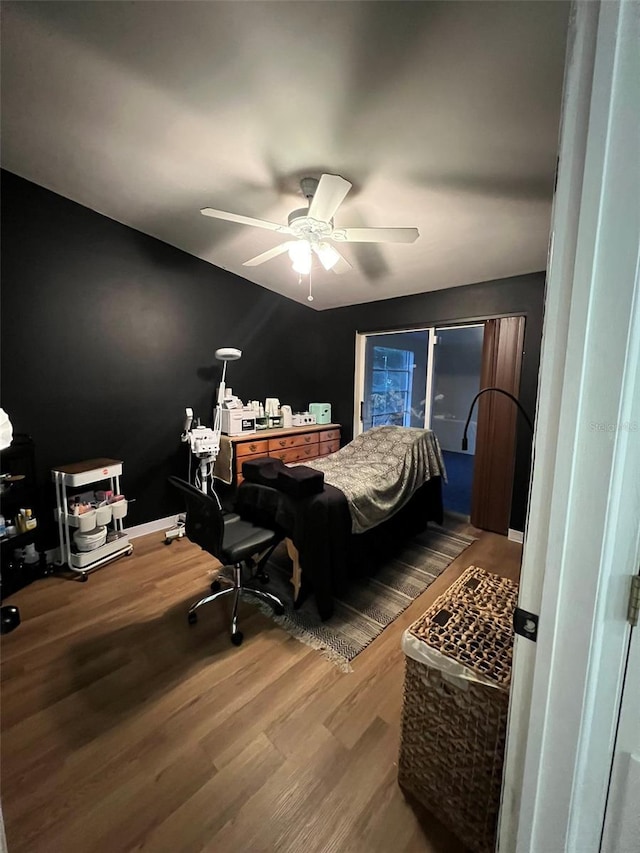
378 490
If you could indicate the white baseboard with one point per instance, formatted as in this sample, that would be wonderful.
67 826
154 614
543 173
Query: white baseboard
515 536
160 524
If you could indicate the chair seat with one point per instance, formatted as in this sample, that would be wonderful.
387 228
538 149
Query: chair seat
242 539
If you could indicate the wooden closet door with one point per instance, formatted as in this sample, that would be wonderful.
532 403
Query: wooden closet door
497 416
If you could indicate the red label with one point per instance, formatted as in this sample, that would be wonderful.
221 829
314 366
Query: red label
105 470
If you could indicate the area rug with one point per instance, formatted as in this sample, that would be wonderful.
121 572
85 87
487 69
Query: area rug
370 603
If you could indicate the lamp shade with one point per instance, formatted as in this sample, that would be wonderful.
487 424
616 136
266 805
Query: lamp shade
6 430
228 354
329 256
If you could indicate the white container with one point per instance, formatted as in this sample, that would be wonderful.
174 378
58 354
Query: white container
103 515
238 421
85 521
287 416
90 540
103 554
119 508
303 419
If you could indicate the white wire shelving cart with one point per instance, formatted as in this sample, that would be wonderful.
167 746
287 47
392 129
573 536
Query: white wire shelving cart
77 476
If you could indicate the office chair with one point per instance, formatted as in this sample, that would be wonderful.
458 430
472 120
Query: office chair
232 541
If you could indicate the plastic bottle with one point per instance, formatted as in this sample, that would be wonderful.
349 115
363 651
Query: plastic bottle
31 556
3 527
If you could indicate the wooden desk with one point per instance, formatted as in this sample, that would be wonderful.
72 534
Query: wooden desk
293 444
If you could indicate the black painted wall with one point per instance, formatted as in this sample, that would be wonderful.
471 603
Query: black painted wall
108 334
518 295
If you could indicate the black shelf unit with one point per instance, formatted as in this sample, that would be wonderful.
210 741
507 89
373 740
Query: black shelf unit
18 458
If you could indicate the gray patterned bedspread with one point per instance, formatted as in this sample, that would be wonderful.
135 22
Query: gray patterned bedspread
380 469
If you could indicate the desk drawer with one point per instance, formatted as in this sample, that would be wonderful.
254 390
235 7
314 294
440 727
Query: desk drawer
287 441
327 447
249 448
296 454
329 435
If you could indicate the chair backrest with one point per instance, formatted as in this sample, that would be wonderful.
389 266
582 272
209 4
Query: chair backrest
205 523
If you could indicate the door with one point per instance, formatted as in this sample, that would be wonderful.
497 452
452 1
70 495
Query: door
457 363
497 416
581 543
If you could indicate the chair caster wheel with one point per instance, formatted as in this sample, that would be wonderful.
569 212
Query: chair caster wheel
192 618
84 578
216 586
237 638
278 609
168 541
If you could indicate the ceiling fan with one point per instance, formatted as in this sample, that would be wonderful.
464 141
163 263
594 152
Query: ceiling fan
312 228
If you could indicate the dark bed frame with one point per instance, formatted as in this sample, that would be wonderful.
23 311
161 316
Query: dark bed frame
320 528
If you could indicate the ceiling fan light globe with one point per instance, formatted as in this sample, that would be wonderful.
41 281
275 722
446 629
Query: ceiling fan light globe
329 256
302 267
300 254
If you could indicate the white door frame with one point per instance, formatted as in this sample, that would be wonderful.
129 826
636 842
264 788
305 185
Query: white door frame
622 824
581 542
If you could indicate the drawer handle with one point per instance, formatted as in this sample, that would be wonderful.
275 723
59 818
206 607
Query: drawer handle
307 438
283 442
253 447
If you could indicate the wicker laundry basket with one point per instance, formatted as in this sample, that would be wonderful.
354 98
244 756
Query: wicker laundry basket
456 696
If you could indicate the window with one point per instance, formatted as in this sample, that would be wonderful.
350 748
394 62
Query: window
392 378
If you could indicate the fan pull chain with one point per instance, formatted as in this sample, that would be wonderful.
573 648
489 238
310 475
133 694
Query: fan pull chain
310 296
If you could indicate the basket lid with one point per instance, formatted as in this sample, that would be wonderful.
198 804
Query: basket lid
472 623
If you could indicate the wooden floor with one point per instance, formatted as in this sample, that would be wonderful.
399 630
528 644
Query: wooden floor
123 728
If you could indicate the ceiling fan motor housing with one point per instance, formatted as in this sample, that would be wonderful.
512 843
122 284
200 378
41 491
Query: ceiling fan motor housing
309 187
306 227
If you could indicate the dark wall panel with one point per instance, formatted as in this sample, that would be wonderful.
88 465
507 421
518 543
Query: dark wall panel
107 334
518 295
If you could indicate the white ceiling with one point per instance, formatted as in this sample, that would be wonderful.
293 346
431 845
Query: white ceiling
444 116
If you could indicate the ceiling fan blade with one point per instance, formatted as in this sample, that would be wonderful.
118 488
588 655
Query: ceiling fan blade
341 265
375 235
329 195
266 256
244 220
